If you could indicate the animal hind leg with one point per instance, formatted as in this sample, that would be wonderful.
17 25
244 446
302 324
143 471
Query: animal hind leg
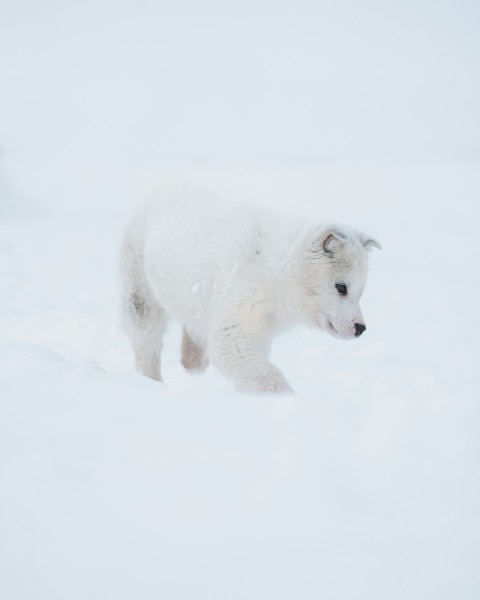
193 354
149 324
144 319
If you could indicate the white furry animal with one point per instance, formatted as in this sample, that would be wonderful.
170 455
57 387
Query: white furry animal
234 277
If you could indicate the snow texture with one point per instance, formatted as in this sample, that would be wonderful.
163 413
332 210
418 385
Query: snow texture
364 484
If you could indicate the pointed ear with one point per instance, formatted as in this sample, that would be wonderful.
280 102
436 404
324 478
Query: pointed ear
328 241
369 243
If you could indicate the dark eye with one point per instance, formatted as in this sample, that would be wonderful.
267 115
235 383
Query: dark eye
342 289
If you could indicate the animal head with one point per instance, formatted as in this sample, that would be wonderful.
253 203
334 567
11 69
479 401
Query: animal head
333 277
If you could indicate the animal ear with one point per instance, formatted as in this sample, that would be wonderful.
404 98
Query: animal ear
328 241
371 243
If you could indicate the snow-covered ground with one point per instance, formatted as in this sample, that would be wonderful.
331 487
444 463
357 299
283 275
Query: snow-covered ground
363 485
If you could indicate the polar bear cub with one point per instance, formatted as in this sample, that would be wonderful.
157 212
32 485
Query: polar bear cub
234 277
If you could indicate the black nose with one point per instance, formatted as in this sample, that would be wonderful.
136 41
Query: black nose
359 329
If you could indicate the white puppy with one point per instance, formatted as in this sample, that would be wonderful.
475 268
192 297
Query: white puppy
234 277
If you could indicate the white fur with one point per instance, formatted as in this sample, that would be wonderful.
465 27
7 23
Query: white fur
234 277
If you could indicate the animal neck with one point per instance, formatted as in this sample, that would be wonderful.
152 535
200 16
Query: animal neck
289 289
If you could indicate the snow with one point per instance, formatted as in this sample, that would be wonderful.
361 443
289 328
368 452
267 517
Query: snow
366 483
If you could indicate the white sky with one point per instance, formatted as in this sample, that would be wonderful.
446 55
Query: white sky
110 87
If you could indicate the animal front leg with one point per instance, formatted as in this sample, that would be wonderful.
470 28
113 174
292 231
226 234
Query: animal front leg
244 360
